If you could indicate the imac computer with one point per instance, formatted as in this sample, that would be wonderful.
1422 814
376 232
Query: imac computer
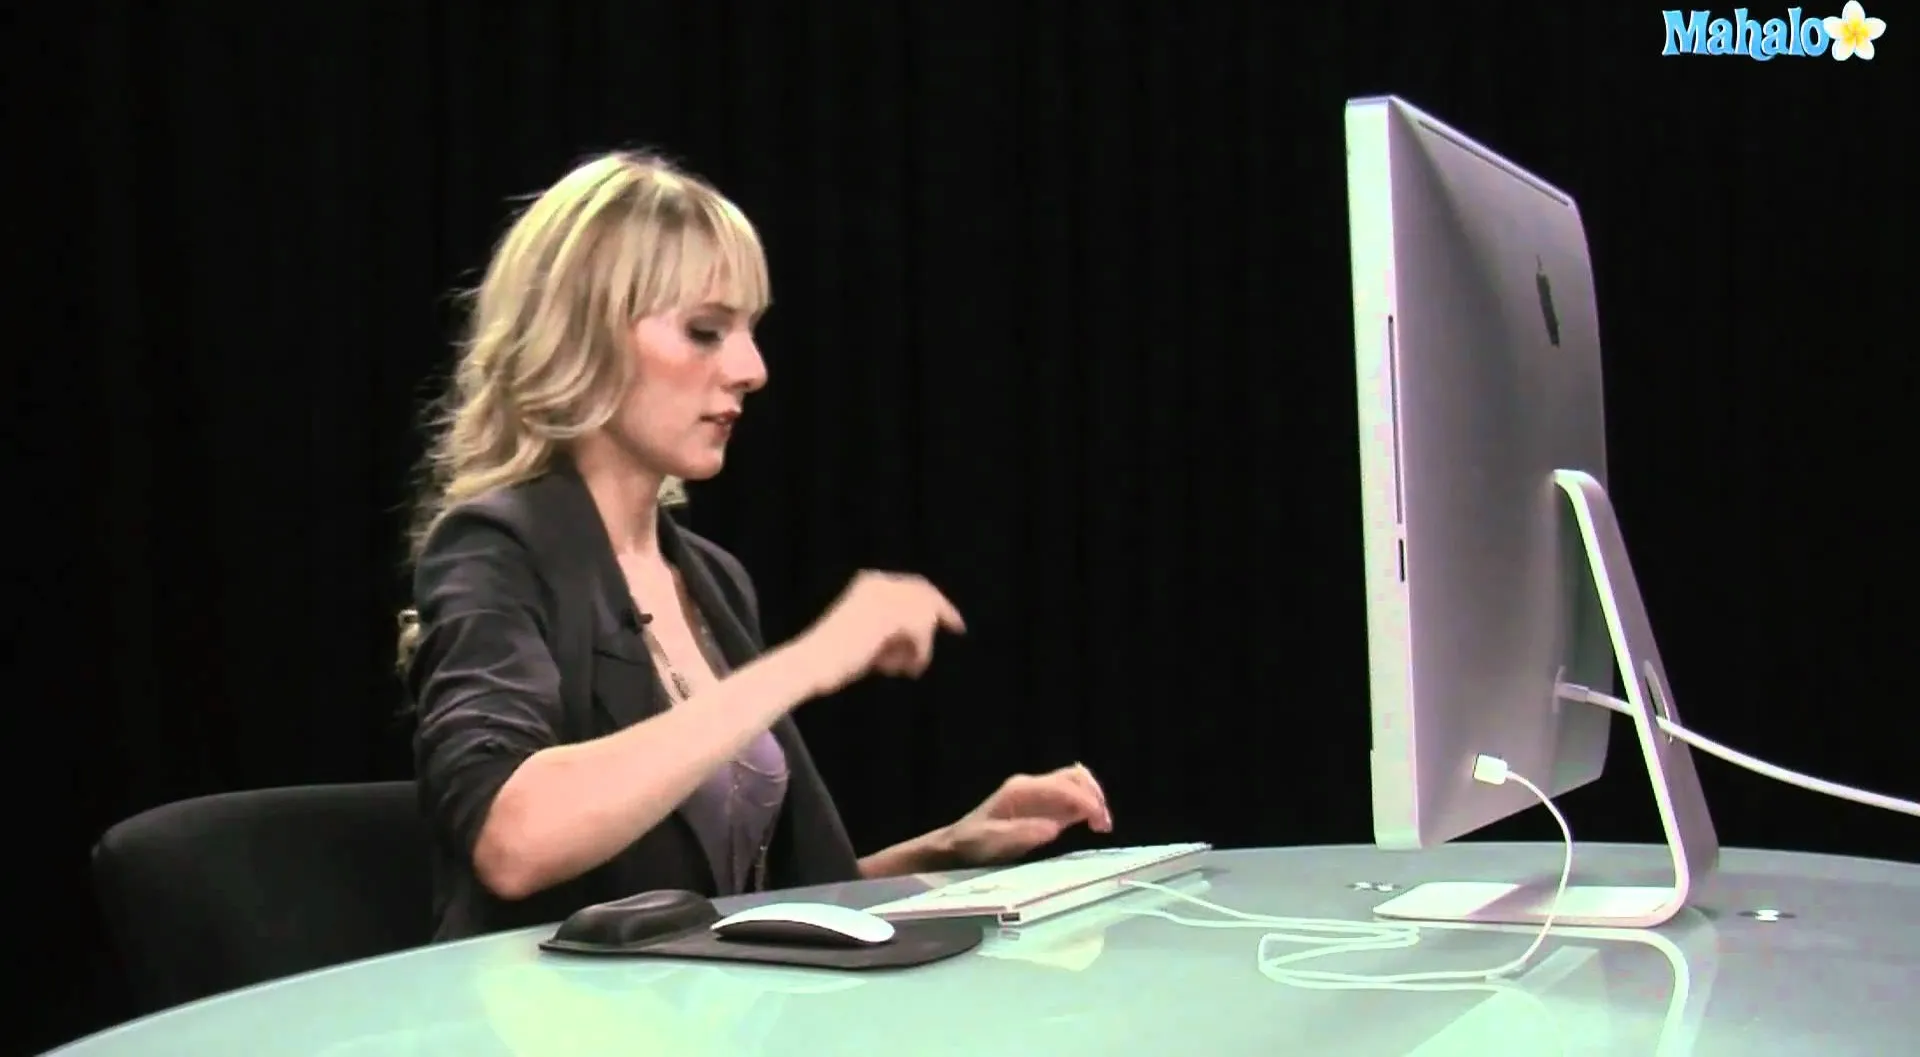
1498 585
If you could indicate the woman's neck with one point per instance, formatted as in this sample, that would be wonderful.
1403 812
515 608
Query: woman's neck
628 498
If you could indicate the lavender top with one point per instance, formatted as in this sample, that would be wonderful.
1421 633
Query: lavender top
733 812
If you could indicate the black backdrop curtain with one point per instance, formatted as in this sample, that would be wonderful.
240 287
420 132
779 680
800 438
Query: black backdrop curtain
1062 322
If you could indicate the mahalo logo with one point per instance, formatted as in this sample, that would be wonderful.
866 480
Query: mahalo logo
1848 35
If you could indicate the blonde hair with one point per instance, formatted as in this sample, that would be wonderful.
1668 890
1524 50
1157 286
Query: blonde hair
546 357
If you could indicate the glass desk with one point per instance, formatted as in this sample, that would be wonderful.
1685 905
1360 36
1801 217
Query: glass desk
1784 953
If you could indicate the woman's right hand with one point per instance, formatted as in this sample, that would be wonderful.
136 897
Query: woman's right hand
882 622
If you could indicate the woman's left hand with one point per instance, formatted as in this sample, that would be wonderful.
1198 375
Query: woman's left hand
1028 811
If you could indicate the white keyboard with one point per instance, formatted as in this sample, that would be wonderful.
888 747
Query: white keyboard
1021 895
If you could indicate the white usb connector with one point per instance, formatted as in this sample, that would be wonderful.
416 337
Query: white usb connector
1489 769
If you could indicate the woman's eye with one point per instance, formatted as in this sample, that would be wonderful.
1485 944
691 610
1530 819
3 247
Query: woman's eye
705 335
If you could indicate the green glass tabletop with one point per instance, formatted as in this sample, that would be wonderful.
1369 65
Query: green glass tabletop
1784 953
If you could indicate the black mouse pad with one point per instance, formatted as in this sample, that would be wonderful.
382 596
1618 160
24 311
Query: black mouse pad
913 943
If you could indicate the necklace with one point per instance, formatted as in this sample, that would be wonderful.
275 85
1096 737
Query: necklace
679 687
677 684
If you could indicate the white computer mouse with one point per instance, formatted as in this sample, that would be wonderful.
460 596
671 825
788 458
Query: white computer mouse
805 925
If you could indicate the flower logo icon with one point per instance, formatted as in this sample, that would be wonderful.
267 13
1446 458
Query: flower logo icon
1853 33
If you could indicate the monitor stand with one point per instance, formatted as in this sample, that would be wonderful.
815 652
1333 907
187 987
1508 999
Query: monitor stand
1691 840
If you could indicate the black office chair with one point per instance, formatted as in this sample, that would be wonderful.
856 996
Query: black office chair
219 892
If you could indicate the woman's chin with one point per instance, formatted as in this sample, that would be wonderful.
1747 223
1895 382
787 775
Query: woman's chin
703 467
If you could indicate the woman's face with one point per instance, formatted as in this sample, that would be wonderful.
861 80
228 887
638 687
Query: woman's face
693 369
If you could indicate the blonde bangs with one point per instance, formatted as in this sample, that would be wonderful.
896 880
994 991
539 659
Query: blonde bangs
698 249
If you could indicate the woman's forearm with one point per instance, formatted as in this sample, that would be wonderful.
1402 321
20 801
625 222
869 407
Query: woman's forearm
923 854
571 808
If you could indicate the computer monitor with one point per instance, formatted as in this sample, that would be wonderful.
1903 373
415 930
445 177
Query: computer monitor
1498 586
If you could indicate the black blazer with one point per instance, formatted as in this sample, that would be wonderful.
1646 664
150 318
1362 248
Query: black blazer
528 641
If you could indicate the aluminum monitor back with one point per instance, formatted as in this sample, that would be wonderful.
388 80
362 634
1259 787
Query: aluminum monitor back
1478 358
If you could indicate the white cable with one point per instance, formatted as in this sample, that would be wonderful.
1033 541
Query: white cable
1492 771
1575 692
1345 937
1387 934
1341 935
1373 936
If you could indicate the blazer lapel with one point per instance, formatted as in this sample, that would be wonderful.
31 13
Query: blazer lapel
735 642
628 690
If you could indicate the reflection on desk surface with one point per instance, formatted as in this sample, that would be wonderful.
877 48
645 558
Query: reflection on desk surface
1562 1003
1119 978
1073 941
1569 1001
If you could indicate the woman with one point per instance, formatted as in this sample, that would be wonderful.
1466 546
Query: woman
598 714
